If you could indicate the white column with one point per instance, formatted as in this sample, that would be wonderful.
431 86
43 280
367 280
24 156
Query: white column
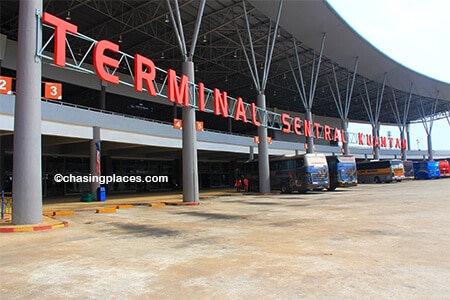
27 173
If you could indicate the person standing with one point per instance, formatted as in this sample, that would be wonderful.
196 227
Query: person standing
245 181
238 185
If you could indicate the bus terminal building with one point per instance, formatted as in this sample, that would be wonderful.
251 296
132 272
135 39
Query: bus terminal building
183 93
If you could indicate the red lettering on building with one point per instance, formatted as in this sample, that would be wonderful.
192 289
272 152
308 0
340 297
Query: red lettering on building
240 111
254 120
286 124
307 128
360 138
148 76
178 94
397 143
316 130
376 142
101 60
201 96
326 132
343 136
297 126
61 27
220 103
336 135
383 141
369 139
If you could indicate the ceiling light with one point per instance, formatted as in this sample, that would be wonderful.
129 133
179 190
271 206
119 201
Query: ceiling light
68 18
167 19
120 39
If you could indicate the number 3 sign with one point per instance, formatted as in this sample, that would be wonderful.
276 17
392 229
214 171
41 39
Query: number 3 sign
53 90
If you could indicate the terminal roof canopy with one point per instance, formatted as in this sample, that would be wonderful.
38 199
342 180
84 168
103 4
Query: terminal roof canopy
143 27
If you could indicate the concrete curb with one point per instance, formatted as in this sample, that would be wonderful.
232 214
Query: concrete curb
182 203
41 227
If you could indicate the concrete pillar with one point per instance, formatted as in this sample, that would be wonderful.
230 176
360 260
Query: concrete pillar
430 146
345 148
251 153
3 39
93 159
102 104
175 110
190 164
263 151
27 173
309 139
402 138
2 164
375 135
407 136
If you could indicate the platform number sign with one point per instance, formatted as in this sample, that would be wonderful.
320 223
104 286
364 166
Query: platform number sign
177 124
53 90
199 126
5 85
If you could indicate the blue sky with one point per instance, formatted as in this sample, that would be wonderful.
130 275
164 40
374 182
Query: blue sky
414 33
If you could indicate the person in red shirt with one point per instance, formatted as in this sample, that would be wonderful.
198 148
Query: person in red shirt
245 180
238 185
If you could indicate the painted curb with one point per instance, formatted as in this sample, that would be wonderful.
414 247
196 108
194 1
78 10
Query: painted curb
106 210
63 213
34 228
156 204
124 206
182 203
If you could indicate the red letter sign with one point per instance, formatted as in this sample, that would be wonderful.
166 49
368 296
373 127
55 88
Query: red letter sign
179 95
61 27
285 120
220 103
139 74
100 60
240 111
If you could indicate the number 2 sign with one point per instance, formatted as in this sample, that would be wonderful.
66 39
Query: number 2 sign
5 85
53 90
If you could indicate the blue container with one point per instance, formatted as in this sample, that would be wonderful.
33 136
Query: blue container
101 194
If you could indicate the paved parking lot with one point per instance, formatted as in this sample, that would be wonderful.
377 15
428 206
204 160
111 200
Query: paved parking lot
389 241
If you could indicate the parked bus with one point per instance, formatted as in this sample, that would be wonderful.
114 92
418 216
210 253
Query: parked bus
342 171
444 168
380 171
409 170
300 173
426 169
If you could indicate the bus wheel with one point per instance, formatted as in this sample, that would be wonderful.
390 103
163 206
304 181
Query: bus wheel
285 188
377 179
